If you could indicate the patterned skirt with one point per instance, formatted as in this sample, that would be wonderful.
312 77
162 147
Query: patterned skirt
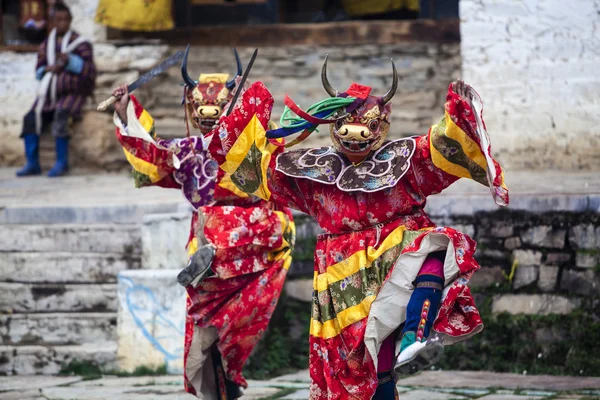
363 282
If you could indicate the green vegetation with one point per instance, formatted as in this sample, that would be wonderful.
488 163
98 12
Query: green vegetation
90 370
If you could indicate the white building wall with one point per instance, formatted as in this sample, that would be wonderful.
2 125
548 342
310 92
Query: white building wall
536 65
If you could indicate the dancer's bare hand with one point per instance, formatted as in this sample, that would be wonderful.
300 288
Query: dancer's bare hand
462 89
122 95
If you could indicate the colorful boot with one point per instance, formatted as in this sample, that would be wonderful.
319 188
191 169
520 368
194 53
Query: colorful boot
198 267
417 350
32 149
62 158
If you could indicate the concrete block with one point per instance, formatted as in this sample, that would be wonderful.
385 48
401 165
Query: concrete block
45 360
525 275
300 289
124 239
151 320
486 277
585 283
64 267
58 328
527 257
53 297
164 237
547 279
532 304
544 236
584 237
589 259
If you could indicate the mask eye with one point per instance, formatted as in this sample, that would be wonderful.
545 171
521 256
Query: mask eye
339 123
373 125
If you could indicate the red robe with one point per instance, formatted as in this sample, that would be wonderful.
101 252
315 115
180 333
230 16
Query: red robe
253 240
377 232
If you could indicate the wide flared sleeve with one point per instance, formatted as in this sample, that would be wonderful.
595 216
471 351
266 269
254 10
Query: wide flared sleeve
458 147
241 148
176 163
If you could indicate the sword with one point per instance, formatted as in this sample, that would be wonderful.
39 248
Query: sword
147 77
241 85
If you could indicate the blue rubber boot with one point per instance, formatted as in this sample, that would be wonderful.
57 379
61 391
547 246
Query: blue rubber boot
32 150
62 158
417 350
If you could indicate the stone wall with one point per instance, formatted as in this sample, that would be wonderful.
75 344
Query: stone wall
534 64
425 70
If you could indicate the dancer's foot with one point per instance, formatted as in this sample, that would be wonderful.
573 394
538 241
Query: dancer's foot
198 267
419 355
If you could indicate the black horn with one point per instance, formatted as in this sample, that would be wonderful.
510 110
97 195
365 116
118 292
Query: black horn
388 96
231 83
189 82
332 92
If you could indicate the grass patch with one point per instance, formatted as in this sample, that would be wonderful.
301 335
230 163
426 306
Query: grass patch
90 370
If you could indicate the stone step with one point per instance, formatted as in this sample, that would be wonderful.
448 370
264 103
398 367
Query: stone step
64 267
100 238
58 328
49 360
56 297
88 214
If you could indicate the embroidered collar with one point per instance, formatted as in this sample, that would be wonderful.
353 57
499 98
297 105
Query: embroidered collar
382 170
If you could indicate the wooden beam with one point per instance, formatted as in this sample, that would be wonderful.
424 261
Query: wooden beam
323 34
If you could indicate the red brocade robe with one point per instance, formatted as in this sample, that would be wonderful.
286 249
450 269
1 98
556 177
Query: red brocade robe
253 241
377 233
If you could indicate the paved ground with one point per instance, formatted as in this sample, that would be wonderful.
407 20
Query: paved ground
431 385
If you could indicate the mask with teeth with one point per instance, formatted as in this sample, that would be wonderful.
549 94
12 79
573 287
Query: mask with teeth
365 128
206 98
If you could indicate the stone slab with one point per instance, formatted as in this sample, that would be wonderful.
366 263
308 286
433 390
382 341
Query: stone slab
509 397
48 360
534 304
164 237
88 199
151 319
23 395
57 328
299 395
300 289
420 394
101 238
300 376
65 267
114 381
260 393
21 383
56 297
484 380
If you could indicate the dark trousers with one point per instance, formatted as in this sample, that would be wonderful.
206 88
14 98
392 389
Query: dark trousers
57 120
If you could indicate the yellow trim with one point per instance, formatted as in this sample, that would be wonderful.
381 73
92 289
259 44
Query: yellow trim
219 78
440 161
343 319
362 259
469 146
146 120
240 149
226 183
192 246
143 167
253 134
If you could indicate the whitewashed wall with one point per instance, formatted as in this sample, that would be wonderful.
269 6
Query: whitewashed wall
535 63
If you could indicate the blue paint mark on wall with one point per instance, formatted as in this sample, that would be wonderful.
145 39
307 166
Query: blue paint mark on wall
150 316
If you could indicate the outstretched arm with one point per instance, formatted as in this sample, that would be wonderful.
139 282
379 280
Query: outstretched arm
242 150
458 147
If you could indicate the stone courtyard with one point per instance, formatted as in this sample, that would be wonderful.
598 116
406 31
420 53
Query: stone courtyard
430 385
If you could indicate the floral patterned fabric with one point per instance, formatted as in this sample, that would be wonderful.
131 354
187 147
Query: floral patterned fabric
253 241
370 237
